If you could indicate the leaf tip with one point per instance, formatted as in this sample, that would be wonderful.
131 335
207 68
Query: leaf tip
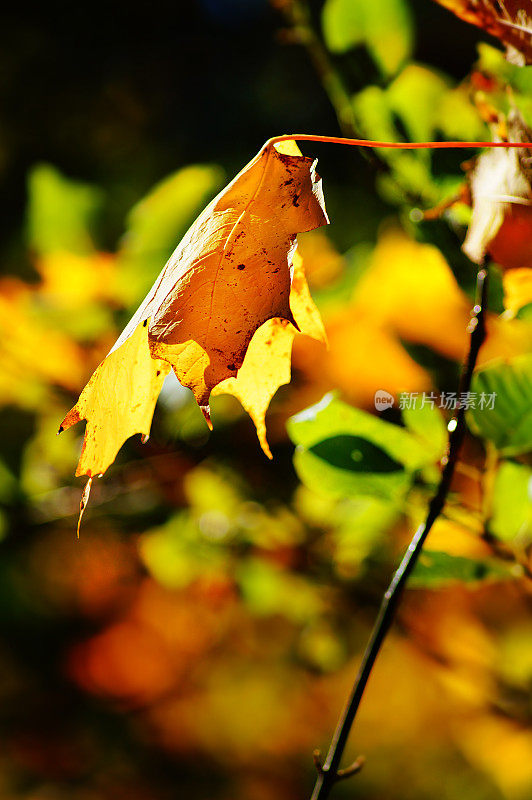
206 411
71 418
261 433
290 317
83 503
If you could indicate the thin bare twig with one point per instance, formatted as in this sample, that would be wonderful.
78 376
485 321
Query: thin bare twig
329 773
302 32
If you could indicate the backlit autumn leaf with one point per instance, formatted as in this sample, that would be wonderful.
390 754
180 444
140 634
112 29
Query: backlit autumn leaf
230 274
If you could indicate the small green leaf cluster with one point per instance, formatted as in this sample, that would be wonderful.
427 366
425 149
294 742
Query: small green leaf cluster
345 452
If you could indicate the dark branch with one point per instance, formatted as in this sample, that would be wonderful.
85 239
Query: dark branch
298 17
329 772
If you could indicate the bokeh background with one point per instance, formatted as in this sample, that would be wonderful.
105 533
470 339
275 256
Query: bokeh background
199 638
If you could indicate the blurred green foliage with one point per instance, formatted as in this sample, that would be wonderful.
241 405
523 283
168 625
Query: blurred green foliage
160 219
61 212
509 423
385 29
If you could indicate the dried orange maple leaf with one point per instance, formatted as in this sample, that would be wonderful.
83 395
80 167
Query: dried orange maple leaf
230 274
508 20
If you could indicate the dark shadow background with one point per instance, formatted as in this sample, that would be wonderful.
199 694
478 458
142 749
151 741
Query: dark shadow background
121 94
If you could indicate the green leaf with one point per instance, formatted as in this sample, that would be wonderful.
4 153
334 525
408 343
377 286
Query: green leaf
525 313
504 390
344 451
458 118
385 28
60 212
157 223
375 117
436 569
493 62
429 425
322 476
333 417
419 104
512 510
355 454
416 96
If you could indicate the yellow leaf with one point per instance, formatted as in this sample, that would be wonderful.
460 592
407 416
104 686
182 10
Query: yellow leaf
266 367
302 305
117 402
410 289
90 277
517 284
27 370
323 263
511 770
